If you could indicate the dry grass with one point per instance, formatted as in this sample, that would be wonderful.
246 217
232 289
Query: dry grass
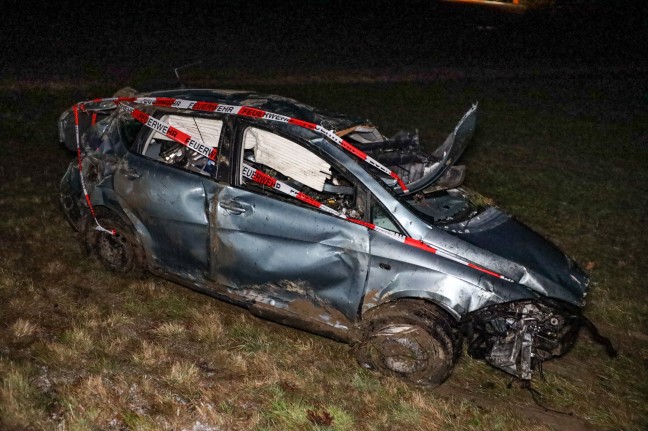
23 328
81 348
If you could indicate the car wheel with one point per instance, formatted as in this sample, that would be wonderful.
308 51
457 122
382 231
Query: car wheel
410 339
120 252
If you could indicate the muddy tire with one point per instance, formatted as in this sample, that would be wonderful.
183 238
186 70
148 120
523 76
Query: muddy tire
410 339
121 252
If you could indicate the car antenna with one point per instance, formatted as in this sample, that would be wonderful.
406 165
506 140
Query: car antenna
182 84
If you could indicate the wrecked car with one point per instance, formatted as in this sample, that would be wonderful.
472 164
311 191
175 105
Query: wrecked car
318 221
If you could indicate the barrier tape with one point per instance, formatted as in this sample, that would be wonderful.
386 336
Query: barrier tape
252 173
247 111
264 179
98 226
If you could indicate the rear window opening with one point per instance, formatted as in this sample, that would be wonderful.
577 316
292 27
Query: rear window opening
161 148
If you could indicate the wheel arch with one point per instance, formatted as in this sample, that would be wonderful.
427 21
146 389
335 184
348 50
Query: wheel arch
440 301
401 323
101 211
105 199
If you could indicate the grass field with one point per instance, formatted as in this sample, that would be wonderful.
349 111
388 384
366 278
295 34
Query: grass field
81 348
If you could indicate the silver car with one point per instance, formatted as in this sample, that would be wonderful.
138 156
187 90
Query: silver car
318 221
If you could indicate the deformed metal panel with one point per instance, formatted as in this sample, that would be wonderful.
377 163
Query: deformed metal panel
257 245
399 271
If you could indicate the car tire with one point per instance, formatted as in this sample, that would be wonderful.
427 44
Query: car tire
410 339
121 252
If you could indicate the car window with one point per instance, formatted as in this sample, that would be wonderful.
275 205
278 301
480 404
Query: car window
287 157
130 128
381 218
160 148
102 136
300 168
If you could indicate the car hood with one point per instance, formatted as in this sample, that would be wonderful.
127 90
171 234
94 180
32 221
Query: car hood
542 266
447 154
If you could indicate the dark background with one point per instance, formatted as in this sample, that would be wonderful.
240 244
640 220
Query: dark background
144 40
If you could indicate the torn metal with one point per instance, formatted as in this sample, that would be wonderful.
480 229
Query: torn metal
518 336
318 221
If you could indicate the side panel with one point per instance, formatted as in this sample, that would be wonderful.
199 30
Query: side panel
170 211
398 271
288 255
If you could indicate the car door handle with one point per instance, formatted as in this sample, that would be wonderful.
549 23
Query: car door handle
234 207
131 174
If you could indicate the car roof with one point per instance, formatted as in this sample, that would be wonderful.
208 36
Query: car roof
267 102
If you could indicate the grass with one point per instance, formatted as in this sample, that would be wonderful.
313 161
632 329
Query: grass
81 348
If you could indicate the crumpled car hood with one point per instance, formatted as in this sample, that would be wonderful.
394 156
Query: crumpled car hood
448 153
546 268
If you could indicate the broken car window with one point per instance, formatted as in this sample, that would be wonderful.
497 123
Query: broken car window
130 128
287 157
289 162
160 148
102 137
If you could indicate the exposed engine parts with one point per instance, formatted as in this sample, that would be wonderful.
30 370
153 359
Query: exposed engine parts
518 336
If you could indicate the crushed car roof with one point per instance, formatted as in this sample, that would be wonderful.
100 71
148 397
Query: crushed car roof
267 102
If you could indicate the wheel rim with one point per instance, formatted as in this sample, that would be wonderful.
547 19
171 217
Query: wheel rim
114 251
398 349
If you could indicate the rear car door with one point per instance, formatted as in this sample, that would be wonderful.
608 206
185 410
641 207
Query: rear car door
166 189
273 248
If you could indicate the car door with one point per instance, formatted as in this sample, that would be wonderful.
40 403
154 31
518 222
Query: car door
276 249
166 188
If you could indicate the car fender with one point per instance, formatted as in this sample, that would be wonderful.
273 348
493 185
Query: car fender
104 196
457 296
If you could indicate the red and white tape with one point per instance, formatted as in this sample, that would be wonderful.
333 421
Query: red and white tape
247 111
98 226
255 174
264 179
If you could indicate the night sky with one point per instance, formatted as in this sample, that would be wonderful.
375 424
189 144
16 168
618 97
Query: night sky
115 40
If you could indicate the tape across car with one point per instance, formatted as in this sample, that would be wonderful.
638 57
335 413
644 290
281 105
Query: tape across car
318 221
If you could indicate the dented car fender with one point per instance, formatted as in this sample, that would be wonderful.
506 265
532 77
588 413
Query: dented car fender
399 272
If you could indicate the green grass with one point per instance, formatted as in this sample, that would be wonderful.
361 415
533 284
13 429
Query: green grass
81 348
